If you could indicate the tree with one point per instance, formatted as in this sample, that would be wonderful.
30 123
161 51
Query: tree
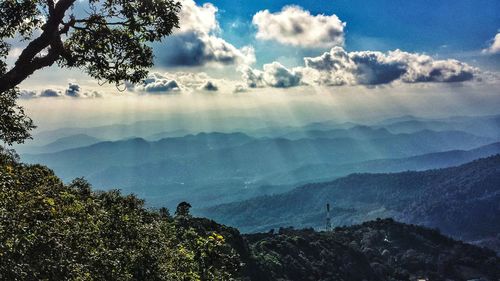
14 124
182 210
55 231
107 39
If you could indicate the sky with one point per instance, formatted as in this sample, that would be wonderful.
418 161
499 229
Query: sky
345 59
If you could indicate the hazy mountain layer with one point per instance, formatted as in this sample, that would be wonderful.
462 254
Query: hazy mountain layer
65 143
212 168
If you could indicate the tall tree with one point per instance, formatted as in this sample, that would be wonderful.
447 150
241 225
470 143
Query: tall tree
107 39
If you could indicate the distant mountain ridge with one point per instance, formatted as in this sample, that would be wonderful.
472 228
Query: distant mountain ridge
65 143
462 201
414 163
487 126
356 132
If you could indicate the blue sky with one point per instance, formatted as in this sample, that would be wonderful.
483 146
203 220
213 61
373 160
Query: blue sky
422 25
447 28
459 30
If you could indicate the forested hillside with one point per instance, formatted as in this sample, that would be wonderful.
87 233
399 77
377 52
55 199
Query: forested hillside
462 201
53 231
378 250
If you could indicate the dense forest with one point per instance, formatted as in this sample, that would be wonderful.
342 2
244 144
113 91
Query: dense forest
53 231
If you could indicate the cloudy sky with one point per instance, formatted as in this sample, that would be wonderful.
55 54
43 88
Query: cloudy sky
349 58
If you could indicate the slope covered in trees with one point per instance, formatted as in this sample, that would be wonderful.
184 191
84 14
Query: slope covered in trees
462 201
53 231
376 250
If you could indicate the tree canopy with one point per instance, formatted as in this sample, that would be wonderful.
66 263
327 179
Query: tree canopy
53 231
107 39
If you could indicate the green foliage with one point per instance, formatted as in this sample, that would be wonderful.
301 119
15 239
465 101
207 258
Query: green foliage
53 231
14 123
20 17
376 250
110 43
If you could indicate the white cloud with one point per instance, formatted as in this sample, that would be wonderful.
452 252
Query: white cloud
157 84
50 93
197 41
73 91
240 89
181 82
273 75
92 95
296 26
339 67
494 48
27 94
278 76
253 78
200 19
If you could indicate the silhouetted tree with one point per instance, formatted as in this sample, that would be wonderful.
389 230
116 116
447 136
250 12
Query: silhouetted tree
182 210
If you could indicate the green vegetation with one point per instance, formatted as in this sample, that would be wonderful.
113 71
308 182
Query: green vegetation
376 250
53 231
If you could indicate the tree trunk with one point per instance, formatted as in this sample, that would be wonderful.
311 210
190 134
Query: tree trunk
28 62
22 70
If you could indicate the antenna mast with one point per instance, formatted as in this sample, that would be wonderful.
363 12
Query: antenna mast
328 218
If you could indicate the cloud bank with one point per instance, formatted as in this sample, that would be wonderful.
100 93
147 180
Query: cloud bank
209 86
339 67
181 83
73 90
298 27
157 84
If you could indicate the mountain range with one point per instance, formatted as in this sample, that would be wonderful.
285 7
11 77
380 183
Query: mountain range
214 168
222 164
